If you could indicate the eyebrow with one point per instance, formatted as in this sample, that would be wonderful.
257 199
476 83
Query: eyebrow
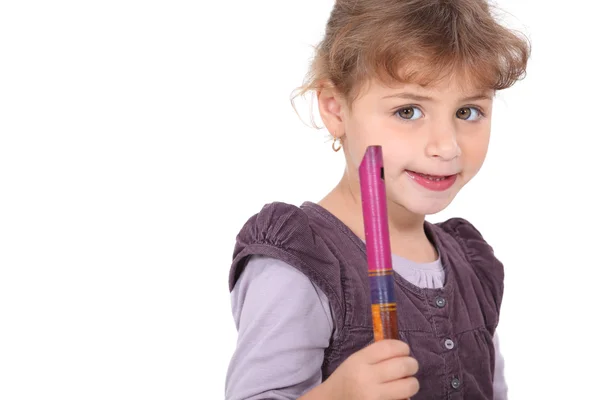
417 97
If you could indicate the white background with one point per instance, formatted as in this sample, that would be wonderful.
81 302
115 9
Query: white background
137 137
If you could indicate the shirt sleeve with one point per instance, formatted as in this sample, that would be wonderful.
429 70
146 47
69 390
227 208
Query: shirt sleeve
284 326
500 386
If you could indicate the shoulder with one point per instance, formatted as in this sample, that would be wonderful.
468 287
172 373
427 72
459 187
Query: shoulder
276 223
463 236
284 232
468 236
277 228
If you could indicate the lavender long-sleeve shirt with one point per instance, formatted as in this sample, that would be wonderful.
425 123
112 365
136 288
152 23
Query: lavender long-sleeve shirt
285 324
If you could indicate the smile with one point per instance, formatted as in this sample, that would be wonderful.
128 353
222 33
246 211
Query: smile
436 183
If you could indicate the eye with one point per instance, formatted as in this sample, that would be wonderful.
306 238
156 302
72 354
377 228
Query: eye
469 113
409 113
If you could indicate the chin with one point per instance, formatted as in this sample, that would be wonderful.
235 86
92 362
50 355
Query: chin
420 205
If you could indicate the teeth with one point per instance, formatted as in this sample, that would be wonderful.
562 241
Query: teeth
433 178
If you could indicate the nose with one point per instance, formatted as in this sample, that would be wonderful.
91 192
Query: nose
443 144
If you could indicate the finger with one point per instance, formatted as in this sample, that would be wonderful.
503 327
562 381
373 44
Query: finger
384 350
400 389
396 368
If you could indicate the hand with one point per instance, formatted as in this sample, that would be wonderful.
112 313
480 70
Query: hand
381 371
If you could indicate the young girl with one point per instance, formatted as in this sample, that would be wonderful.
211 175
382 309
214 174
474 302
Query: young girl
417 77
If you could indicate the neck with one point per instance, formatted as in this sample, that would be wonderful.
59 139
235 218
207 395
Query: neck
407 233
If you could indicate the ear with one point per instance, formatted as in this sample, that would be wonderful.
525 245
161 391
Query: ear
330 109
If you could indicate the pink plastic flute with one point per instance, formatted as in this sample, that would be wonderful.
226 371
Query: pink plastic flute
379 255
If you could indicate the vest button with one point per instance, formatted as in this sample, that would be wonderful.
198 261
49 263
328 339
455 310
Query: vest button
455 383
449 344
440 302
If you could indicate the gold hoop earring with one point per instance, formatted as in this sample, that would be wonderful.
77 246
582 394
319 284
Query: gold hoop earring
339 144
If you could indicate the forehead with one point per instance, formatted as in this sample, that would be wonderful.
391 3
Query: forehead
449 88
447 82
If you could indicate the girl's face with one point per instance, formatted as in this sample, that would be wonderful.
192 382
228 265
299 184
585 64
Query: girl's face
434 139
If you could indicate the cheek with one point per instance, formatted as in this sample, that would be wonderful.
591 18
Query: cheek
475 151
378 128
360 134
398 157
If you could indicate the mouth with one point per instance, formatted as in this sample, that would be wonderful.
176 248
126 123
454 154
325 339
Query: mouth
433 182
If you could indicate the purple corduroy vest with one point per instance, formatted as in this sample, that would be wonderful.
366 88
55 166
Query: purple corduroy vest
449 330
